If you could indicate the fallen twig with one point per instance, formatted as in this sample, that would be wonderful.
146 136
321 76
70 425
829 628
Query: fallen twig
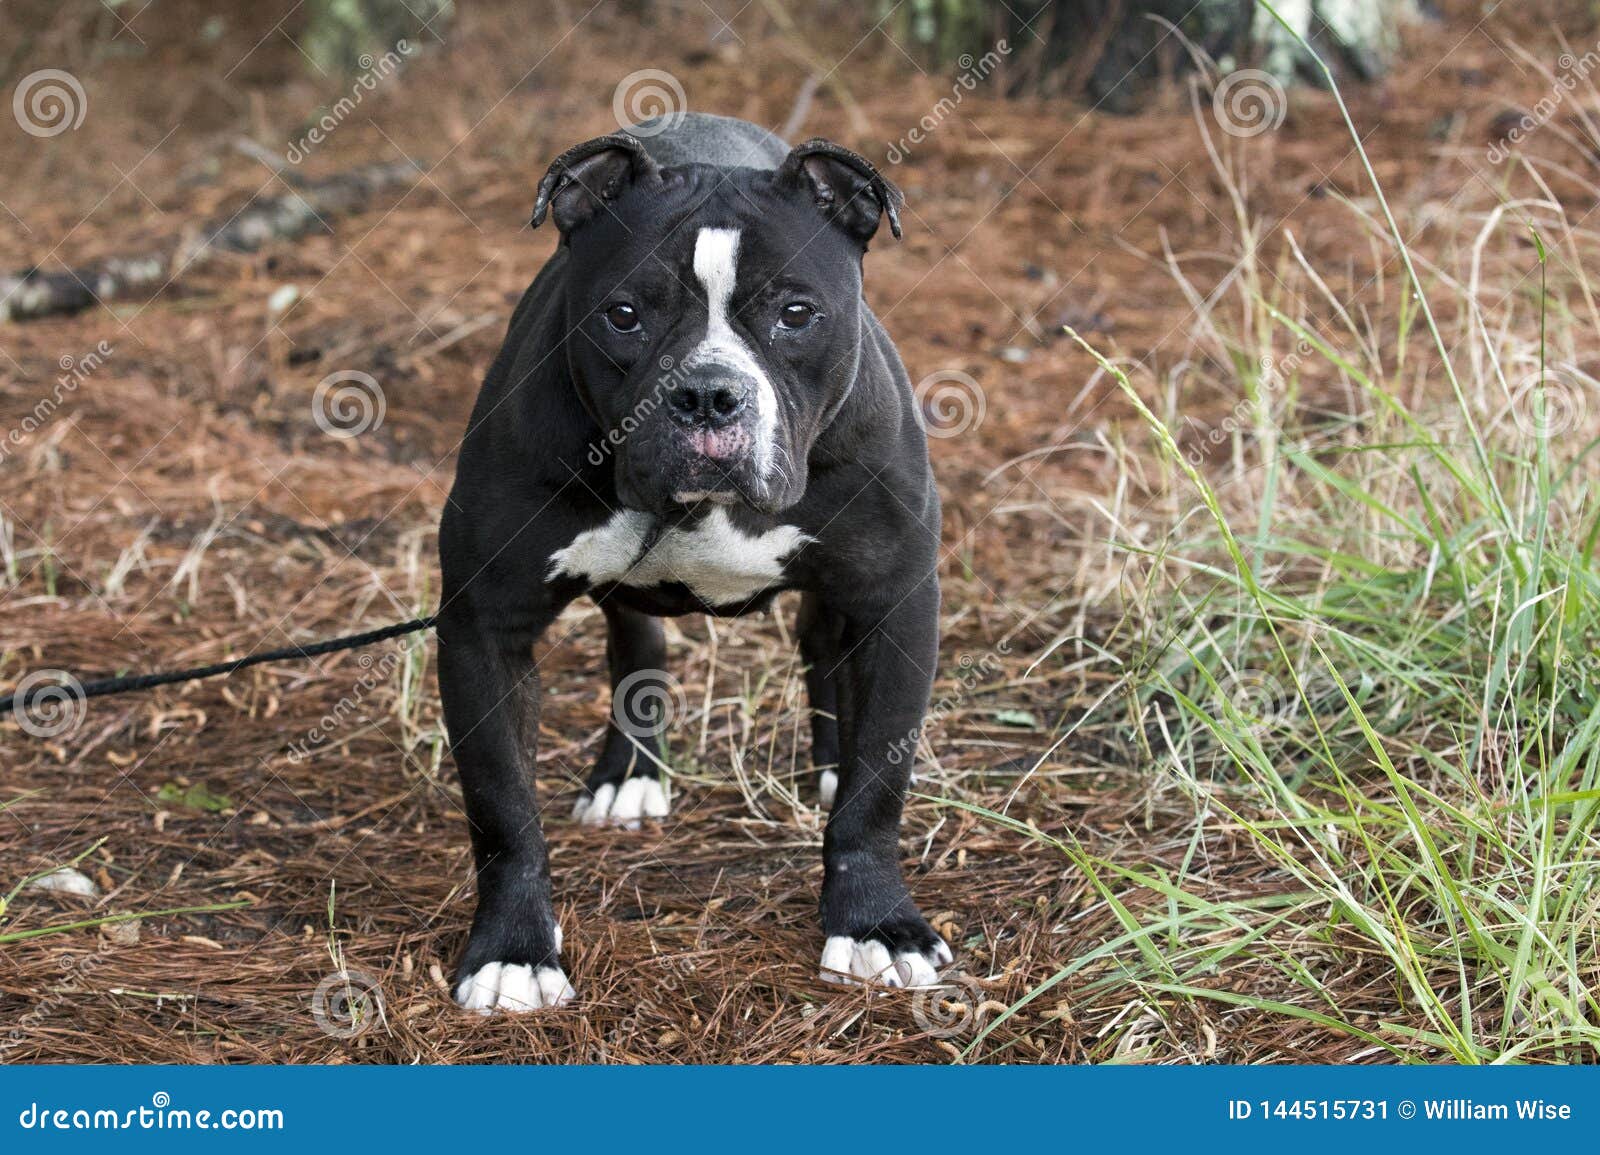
33 293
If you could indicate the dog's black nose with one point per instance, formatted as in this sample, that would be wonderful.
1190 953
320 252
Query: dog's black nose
711 403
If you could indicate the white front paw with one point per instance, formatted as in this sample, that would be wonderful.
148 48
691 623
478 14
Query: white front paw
851 961
637 799
514 987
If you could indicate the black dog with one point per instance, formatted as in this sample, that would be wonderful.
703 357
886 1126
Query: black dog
693 410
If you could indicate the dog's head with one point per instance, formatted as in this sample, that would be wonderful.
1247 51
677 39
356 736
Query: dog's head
714 316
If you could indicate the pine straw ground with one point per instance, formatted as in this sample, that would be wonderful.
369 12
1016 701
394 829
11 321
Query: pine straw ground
182 506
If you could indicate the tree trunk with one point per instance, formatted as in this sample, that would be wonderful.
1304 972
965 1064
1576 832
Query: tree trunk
1363 35
1109 50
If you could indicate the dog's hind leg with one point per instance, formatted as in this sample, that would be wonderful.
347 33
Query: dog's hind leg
625 786
820 629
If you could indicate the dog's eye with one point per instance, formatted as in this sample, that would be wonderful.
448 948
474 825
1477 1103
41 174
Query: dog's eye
622 318
796 315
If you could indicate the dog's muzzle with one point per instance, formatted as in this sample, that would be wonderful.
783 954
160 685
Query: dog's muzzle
711 403
713 417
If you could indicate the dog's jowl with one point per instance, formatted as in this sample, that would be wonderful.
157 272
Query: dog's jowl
693 410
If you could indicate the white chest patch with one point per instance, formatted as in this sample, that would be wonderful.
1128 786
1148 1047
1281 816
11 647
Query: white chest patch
719 562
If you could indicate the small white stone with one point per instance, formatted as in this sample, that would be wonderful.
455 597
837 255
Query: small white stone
66 881
282 298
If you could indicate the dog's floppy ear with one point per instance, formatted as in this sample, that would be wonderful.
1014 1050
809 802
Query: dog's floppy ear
844 185
587 175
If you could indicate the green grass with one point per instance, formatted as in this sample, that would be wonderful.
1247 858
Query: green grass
1369 652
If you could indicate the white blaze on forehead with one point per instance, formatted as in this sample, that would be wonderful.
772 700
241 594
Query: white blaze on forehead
716 265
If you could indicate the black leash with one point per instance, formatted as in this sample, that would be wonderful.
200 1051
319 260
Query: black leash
84 690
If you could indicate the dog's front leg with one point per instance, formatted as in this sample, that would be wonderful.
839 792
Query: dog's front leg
490 687
874 930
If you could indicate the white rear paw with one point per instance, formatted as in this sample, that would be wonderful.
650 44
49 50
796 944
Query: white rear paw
514 987
827 787
627 805
848 960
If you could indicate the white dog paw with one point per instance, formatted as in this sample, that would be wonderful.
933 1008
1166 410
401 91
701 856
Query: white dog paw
628 805
514 987
848 960
827 787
